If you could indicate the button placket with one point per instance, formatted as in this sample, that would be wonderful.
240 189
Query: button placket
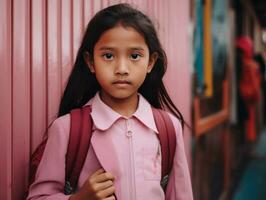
129 131
132 187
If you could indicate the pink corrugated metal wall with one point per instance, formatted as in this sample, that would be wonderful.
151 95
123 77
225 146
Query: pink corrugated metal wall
38 43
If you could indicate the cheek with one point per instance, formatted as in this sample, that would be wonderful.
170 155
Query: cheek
101 67
101 74
143 68
146 64
103 81
141 76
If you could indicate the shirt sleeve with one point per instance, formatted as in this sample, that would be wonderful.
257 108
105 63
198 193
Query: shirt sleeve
179 185
50 176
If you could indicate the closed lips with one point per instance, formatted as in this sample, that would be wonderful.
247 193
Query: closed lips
121 82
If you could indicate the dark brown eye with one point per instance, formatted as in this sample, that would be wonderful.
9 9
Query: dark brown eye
135 56
108 56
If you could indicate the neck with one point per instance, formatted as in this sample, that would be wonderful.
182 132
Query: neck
125 107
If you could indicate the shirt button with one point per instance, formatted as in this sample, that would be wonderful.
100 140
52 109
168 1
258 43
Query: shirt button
129 134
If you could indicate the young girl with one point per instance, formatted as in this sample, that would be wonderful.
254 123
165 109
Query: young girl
118 71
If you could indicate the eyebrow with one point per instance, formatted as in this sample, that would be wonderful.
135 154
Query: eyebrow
106 48
112 48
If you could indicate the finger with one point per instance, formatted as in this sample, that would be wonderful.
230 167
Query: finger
110 198
98 172
104 185
107 192
103 177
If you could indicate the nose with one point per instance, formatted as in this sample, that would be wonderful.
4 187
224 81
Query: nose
122 67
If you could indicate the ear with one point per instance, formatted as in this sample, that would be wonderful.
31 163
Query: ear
152 61
89 61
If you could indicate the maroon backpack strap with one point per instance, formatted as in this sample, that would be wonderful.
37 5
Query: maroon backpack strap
79 141
167 137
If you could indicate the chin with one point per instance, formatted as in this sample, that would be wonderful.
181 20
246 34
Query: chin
123 95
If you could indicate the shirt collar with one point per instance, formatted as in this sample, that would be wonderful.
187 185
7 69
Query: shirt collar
144 114
104 116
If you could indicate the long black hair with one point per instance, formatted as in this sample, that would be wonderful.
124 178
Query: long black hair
82 84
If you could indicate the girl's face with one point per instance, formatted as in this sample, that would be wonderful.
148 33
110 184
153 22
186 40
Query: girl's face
121 61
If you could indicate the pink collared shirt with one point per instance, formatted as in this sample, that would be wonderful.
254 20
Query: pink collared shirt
126 147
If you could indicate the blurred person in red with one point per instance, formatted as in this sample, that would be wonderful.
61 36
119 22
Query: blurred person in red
261 60
248 85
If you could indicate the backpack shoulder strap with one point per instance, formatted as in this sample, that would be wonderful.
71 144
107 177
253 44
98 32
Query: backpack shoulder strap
79 141
167 137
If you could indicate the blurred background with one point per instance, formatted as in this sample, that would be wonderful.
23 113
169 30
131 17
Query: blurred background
216 76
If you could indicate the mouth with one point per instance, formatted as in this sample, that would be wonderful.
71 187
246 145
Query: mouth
121 82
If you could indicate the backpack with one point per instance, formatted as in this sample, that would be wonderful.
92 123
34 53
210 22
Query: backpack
80 133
